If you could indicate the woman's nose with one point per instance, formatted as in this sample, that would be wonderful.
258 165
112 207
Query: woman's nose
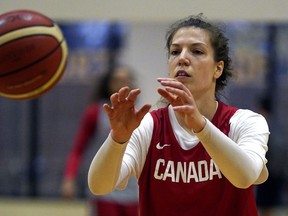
183 58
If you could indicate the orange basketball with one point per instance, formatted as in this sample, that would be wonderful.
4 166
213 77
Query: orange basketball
33 54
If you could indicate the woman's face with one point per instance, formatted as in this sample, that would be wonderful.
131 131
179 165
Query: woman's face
191 61
120 78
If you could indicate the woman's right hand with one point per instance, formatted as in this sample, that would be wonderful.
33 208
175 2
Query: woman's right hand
123 116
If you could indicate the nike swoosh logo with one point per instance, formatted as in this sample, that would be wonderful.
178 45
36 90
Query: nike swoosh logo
158 146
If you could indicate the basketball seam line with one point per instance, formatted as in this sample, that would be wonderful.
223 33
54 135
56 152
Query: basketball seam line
35 62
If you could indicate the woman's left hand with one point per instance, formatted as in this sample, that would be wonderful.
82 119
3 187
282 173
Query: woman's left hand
182 100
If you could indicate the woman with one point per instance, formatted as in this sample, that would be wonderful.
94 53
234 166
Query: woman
94 125
196 156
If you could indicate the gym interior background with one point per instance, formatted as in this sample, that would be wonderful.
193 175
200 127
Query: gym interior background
35 135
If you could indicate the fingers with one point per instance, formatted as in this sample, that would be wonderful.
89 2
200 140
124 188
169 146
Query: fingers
143 111
108 110
164 93
174 91
123 98
133 94
124 95
119 96
172 84
179 92
114 99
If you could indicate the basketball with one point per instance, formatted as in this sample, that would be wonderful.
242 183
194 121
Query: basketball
33 54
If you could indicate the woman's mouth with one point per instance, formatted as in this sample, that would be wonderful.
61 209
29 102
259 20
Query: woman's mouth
182 73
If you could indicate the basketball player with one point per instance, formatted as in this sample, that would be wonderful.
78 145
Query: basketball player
197 155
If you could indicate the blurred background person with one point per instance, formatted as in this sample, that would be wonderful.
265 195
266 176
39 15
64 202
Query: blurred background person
270 194
93 130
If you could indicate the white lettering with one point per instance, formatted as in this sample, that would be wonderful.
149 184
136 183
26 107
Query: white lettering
157 174
170 172
192 173
186 171
214 170
203 171
181 172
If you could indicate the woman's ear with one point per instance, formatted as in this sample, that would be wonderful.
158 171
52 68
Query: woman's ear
218 69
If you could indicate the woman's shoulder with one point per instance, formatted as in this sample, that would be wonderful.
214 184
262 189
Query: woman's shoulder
245 118
241 114
245 114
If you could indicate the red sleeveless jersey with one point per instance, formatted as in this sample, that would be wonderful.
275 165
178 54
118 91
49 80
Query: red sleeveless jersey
178 182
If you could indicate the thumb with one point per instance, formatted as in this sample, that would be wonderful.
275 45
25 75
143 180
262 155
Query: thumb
143 111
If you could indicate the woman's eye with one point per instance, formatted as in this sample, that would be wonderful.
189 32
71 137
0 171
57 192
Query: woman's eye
198 52
174 52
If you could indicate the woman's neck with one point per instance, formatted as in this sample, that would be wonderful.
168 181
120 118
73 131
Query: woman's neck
207 108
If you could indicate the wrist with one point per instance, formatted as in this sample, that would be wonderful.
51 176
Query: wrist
200 126
119 138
